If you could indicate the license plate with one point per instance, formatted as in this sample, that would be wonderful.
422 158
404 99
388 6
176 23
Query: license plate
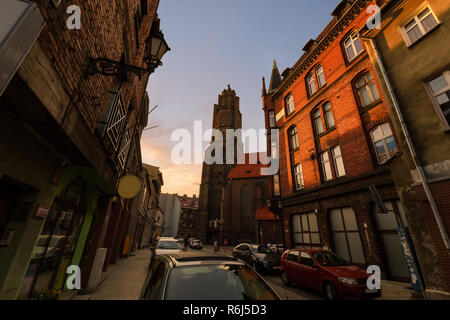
371 290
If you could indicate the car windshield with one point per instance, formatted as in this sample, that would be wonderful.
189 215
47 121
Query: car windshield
261 249
167 245
217 282
330 259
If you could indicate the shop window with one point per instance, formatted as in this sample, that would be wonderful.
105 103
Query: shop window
305 231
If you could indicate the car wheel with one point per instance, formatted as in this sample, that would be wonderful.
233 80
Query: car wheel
330 292
285 278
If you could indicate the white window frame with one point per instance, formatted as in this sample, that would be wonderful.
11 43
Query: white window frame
290 106
383 139
318 74
316 121
293 139
368 86
335 162
298 177
418 21
433 95
353 37
310 79
323 164
326 113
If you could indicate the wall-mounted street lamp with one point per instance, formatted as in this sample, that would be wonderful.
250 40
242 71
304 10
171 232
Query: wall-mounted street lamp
156 48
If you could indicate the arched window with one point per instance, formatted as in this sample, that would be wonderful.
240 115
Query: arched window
321 81
384 142
353 46
367 89
328 114
293 138
317 120
245 201
312 87
289 104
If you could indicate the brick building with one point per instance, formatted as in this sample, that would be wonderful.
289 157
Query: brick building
244 205
412 58
188 216
69 130
336 140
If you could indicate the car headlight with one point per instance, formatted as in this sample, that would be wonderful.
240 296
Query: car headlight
348 281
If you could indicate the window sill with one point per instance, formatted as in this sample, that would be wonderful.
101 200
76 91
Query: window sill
319 136
370 106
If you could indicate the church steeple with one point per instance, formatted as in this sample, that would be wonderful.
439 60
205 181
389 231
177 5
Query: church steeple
275 79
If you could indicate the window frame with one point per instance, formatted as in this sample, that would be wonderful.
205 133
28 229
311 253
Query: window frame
303 231
326 112
336 167
293 137
315 119
320 86
350 36
418 22
289 98
322 166
385 137
271 114
445 124
367 85
311 76
298 173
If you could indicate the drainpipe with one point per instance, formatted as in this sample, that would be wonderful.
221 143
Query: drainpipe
412 150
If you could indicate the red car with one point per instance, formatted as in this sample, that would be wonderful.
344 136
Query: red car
325 272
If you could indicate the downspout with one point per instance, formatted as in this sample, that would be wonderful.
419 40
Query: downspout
412 150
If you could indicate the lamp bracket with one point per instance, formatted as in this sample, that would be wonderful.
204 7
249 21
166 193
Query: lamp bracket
108 67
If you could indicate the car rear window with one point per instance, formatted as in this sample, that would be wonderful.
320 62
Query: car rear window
217 282
167 245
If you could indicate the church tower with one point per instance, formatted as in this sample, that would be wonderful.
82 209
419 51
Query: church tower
226 115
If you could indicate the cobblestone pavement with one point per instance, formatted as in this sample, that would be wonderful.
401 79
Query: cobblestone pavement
124 281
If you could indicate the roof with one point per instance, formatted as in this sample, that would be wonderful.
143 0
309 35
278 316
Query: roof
275 79
247 170
265 214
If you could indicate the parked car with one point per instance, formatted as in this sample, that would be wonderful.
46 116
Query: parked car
195 276
260 257
196 244
325 272
167 245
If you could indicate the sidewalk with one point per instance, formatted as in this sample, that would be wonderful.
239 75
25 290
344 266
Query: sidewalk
123 280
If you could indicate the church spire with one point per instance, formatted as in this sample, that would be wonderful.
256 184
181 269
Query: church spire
275 79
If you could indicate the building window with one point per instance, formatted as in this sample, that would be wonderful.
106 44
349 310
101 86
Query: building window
419 26
276 185
353 46
321 81
245 201
384 142
298 177
272 122
440 89
317 119
346 238
367 90
289 103
305 231
326 166
312 88
328 114
293 139
338 161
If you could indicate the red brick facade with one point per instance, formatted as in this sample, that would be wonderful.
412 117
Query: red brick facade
352 128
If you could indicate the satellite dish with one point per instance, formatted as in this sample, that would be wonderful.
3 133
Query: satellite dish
129 186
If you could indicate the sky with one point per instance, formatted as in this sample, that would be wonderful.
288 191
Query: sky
215 43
